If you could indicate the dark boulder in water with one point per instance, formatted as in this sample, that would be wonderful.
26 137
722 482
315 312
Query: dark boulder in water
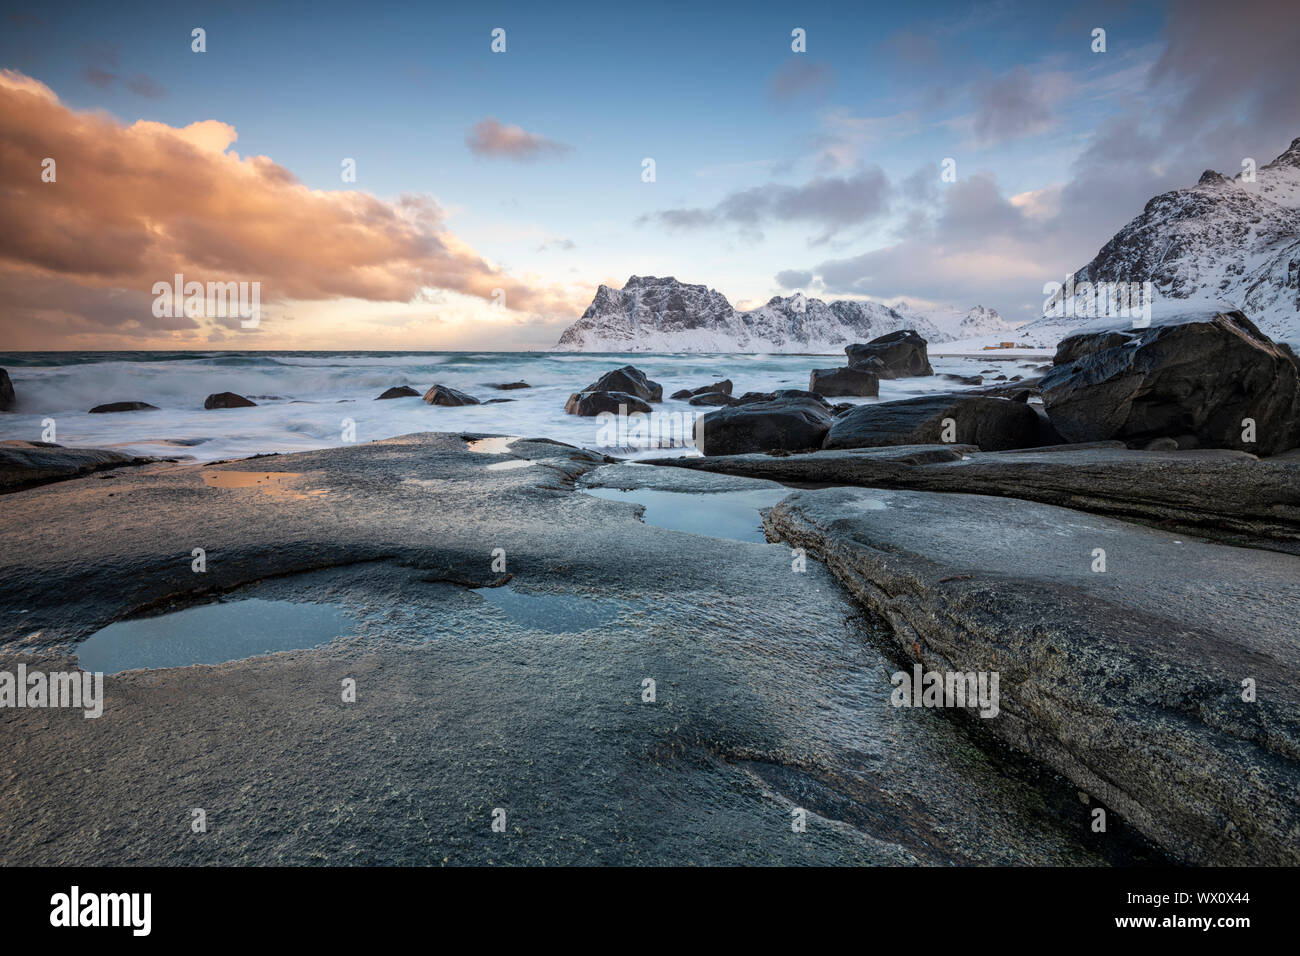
713 398
508 386
7 397
1214 376
593 403
844 381
227 400
902 354
724 387
123 407
994 424
399 391
781 393
629 380
795 423
444 395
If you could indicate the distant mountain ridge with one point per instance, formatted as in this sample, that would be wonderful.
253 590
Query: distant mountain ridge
1223 240
652 314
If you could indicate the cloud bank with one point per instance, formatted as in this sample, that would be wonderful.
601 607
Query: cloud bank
133 205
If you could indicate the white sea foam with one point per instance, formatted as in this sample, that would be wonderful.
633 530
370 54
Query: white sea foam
313 393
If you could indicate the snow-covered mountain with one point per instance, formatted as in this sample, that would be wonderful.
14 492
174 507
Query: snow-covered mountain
1225 240
954 324
652 314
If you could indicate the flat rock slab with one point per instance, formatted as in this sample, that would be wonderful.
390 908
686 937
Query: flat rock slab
772 692
1128 682
1219 494
25 463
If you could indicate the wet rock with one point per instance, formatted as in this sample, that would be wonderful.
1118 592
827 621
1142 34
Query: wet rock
991 423
794 712
123 407
1161 444
24 463
843 381
445 395
227 400
724 387
1202 374
7 397
963 379
1009 389
628 380
1223 495
508 386
781 393
398 391
1129 683
902 354
593 403
791 423
713 399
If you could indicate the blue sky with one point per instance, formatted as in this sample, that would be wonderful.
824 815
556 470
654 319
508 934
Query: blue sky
820 166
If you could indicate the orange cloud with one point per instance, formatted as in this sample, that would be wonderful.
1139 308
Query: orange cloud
133 205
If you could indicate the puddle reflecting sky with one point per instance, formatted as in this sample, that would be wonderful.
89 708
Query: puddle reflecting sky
721 514
212 634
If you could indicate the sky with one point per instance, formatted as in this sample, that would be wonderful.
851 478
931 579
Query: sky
494 190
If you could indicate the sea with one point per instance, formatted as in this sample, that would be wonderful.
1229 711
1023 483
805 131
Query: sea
311 400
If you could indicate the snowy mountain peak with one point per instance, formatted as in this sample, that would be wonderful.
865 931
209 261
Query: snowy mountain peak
1290 157
653 314
1234 241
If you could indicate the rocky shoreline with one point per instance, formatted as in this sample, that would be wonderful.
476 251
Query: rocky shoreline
1137 591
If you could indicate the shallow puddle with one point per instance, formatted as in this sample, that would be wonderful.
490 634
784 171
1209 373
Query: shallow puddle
509 465
212 634
733 515
493 446
556 613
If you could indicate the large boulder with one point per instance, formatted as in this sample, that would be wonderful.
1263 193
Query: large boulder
7 398
123 407
844 381
1202 375
630 380
227 400
902 354
444 395
994 424
783 424
594 403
